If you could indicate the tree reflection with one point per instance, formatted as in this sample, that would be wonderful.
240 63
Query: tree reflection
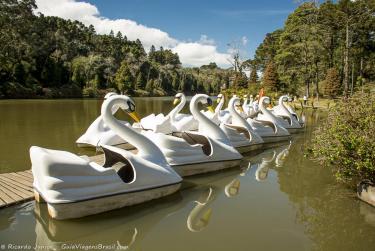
329 211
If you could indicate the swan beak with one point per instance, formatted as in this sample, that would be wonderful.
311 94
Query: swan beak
211 109
134 116
240 108
175 101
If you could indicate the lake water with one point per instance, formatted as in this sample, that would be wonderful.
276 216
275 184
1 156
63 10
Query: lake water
276 200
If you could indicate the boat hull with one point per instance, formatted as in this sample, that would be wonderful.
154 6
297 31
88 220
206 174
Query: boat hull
205 167
274 139
62 211
249 148
296 130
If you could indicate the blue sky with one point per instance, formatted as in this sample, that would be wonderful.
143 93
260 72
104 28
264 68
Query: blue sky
222 21
198 31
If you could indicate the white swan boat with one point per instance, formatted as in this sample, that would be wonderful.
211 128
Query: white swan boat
239 132
195 152
74 186
174 121
98 133
284 112
248 107
269 130
268 115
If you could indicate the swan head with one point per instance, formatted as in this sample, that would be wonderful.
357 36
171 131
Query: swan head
245 96
283 98
265 100
203 99
115 107
235 103
219 98
109 94
177 98
122 102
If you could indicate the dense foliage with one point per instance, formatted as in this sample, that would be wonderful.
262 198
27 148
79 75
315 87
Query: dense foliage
346 140
53 57
335 34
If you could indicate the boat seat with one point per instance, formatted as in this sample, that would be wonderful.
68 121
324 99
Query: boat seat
286 118
268 123
194 139
122 166
240 129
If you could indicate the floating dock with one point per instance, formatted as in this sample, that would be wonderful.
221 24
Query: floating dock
16 187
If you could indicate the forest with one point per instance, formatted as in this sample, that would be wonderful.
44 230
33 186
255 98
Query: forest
323 49
326 48
51 57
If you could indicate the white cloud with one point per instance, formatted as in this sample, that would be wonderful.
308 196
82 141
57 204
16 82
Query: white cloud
244 40
197 53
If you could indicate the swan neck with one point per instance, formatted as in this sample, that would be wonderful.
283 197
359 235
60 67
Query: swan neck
205 125
219 106
178 108
142 143
281 103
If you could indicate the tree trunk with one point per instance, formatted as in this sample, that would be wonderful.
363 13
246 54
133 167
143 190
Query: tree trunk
317 85
346 61
352 83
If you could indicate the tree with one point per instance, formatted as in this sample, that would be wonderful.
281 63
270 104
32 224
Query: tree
271 78
253 76
332 83
124 79
139 82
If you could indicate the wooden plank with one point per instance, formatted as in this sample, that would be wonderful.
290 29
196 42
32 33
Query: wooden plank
5 197
16 192
27 175
16 187
23 192
2 203
8 192
16 183
17 179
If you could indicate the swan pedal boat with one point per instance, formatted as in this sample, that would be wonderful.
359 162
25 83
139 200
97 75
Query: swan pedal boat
270 131
98 133
174 121
239 132
280 115
74 186
197 152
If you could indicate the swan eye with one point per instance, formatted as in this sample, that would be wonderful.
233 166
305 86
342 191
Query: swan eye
131 106
209 102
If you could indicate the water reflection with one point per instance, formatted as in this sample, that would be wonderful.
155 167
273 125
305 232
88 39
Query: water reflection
118 229
300 207
200 215
233 188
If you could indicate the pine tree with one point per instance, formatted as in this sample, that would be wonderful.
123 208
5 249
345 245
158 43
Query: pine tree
332 83
124 79
271 78
138 82
253 76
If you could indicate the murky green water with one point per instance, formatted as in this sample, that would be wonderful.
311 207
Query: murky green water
276 200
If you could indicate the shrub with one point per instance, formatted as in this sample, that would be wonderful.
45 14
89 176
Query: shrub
16 90
346 140
90 92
